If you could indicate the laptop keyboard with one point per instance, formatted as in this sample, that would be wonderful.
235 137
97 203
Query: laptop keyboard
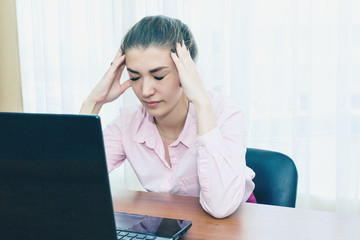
124 235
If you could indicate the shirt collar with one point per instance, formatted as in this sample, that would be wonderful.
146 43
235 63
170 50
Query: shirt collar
148 133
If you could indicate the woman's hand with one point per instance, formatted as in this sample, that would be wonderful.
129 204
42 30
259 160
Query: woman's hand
194 89
189 75
108 89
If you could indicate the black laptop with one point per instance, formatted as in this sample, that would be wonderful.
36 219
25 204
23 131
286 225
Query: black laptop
54 183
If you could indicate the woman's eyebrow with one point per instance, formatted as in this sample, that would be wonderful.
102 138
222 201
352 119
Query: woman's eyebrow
157 69
133 71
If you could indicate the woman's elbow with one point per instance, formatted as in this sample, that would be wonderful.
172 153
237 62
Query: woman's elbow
221 214
220 210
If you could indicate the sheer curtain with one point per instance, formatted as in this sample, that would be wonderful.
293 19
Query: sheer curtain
293 67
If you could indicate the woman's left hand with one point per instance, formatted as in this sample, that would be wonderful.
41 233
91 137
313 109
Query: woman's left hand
194 89
189 76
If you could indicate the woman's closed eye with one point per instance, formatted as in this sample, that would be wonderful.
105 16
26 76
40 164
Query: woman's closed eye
134 78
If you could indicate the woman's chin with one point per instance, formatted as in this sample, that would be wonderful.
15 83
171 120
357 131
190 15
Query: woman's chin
155 112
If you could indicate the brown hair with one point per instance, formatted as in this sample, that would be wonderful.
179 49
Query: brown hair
159 31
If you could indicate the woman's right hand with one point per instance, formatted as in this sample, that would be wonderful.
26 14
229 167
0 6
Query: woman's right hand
108 89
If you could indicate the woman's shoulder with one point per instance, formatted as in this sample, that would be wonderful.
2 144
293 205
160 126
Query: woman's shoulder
129 115
132 114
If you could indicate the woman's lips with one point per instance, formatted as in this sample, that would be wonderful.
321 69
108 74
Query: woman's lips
152 104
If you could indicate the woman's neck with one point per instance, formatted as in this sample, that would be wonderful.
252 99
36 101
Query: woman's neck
173 123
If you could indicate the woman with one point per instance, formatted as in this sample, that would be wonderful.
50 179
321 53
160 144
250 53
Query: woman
182 139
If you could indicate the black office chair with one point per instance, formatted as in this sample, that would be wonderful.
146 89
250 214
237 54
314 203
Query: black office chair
276 177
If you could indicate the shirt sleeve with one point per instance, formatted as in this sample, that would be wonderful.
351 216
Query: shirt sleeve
224 179
114 150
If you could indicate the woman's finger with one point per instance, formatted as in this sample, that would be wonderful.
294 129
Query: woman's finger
183 52
115 70
118 62
177 61
119 73
124 86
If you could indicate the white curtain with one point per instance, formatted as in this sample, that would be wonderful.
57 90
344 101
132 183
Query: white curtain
293 66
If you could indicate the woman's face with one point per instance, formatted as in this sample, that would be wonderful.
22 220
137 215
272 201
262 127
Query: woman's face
155 80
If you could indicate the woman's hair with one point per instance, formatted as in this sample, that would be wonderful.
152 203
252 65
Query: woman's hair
159 31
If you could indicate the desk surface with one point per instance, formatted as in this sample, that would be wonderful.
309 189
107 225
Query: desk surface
250 221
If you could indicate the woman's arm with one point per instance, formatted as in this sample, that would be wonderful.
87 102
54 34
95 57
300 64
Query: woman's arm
223 176
194 88
221 154
113 142
108 89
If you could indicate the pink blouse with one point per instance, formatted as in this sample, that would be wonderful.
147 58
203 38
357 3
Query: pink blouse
211 166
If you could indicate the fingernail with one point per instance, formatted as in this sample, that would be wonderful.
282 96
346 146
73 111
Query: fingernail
111 63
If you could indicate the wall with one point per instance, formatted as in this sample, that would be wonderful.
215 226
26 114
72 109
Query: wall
10 80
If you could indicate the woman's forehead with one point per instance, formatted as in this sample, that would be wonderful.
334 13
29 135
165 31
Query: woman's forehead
151 50
148 58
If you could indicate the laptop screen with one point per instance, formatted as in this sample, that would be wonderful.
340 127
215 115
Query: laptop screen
53 178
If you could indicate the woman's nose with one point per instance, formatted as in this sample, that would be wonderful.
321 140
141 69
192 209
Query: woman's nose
147 87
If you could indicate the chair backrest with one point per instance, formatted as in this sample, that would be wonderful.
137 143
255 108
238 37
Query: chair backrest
276 177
